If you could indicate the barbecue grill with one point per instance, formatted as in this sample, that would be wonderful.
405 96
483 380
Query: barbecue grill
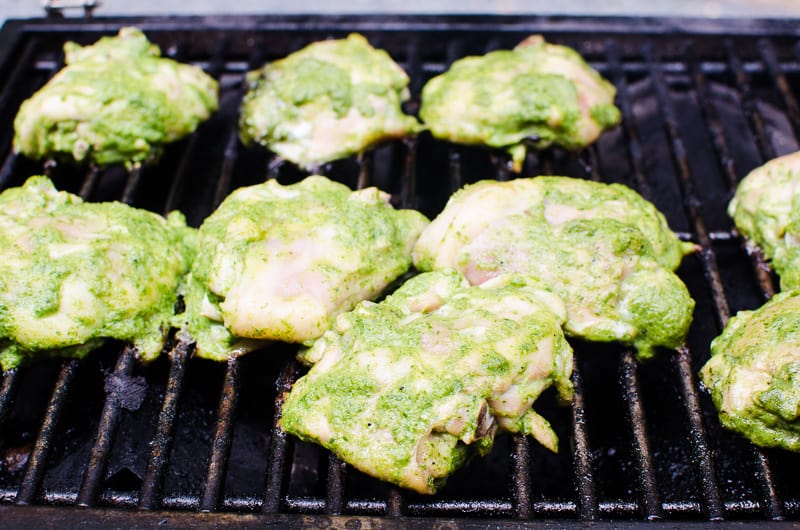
107 442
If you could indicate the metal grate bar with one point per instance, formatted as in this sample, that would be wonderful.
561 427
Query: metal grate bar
774 505
395 503
713 124
106 428
647 484
631 132
592 165
697 435
7 169
690 199
131 185
521 477
699 444
220 449
748 104
775 508
546 160
11 90
366 161
6 103
34 472
773 502
8 392
164 435
458 508
414 69
337 470
218 461
725 160
109 417
454 170
767 152
334 485
89 182
408 195
454 51
582 464
641 448
767 51
230 155
214 69
502 165
280 446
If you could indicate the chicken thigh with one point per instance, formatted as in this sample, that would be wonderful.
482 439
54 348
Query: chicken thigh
754 371
74 273
606 251
116 101
327 101
280 262
538 93
408 389
766 210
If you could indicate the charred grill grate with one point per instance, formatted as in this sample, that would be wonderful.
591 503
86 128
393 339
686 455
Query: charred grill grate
702 102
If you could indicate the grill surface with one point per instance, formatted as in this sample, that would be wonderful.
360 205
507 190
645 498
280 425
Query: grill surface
703 102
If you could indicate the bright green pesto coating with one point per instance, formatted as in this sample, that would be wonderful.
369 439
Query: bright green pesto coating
116 101
279 262
605 250
327 101
74 273
766 210
754 373
537 93
408 389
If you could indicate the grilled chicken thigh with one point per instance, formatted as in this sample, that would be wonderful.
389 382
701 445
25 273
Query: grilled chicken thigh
407 389
537 93
606 251
327 101
753 373
116 101
279 262
74 273
766 209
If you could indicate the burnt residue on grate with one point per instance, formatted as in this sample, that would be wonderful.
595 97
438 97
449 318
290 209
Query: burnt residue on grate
703 102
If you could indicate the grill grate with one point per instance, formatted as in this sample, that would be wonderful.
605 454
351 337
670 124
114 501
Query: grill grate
703 102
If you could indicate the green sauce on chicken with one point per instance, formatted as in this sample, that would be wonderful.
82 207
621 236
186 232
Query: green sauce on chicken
116 101
604 249
73 274
408 389
766 210
327 101
279 262
754 372
537 93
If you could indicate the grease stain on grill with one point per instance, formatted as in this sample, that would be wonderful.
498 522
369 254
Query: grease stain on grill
126 391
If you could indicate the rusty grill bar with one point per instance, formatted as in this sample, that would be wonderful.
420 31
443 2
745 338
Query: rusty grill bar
700 107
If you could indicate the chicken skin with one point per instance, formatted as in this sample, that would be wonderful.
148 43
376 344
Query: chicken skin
753 373
766 210
280 262
408 389
537 94
73 274
327 101
116 101
604 250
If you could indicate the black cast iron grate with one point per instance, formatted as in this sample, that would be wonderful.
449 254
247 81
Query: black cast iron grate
703 102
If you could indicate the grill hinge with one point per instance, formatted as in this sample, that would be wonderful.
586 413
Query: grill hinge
55 8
